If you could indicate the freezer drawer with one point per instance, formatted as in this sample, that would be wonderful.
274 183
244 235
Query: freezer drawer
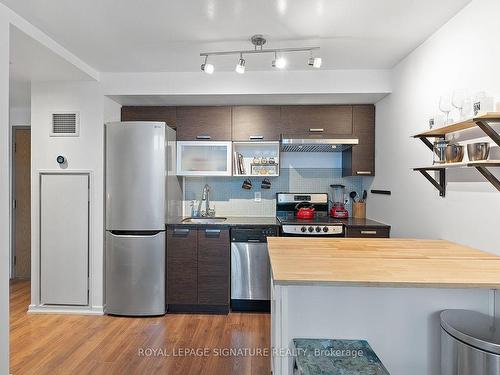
250 271
135 274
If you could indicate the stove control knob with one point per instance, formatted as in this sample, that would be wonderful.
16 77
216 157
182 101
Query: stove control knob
318 229
311 229
325 229
303 229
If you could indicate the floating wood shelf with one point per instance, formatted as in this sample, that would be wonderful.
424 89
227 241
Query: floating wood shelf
482 163
482 167
459 126
484 123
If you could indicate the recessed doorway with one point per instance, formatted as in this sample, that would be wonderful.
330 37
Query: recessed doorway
21 188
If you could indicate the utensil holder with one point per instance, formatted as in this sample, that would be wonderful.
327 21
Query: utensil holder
359 210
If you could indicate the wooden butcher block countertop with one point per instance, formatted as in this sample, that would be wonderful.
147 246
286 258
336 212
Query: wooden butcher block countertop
381 262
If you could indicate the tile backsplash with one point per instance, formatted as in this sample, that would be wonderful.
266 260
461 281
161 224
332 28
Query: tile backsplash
229 199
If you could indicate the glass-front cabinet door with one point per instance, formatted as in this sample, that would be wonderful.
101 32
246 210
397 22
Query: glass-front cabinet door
204 158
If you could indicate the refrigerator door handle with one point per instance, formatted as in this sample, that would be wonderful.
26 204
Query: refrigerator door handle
135 233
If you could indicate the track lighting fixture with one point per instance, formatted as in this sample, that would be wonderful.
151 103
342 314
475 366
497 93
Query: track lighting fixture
278 62
240 67
315 62
206 67
258 42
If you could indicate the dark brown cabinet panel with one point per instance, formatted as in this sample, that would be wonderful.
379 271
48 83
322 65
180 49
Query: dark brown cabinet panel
204 123
368 232
360 160
182 266
138 113
198 269
328 119
213 266
254 123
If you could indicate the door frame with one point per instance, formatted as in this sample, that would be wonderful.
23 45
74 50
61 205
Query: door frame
12 250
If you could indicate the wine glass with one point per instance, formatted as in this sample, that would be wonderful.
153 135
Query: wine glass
445 106
457 100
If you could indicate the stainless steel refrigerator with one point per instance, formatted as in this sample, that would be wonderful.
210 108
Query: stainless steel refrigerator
142 192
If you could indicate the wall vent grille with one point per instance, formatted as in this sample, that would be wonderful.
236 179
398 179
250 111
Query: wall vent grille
65 124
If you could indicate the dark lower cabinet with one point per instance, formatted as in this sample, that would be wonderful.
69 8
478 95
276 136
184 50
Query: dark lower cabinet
213 267
198 269
368 232
182 266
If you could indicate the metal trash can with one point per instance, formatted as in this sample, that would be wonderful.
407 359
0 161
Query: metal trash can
470 343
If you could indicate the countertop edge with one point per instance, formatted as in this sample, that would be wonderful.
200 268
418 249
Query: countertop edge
380 284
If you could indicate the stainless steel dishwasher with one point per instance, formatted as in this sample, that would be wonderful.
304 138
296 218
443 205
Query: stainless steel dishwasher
470 343
250 268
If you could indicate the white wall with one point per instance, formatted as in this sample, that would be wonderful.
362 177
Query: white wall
256 83
464 53
20 116
85 152
4 195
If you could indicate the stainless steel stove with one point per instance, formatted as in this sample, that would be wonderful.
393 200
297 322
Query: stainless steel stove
322 225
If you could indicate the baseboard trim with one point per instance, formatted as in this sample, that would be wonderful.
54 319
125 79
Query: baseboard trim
70 310
198 309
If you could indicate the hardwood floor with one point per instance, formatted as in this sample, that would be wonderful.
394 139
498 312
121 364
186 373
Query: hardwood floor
69 344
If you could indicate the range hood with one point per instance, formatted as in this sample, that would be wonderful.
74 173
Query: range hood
316 143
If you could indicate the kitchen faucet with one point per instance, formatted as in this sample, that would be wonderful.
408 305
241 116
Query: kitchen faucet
205 196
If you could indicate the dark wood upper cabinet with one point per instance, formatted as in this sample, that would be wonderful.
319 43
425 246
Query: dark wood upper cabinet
213 266
204 123
182 266
256 123
328 119
360 160
166 114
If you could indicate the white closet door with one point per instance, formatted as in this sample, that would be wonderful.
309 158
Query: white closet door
64 239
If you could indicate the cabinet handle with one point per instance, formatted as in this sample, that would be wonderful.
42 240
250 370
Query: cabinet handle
256 137
364 172
316 130
203 137
368 232
181 231
212 232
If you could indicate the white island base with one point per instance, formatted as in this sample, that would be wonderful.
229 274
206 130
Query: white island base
401 324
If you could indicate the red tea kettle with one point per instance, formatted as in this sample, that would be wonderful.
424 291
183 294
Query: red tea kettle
304 210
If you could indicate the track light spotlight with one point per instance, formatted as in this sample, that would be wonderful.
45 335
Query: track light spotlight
207 68
240 67
315 62
278 62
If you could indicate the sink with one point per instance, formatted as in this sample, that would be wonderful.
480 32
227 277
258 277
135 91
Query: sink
204 220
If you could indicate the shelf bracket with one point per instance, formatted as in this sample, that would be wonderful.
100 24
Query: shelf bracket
441 185
427 143
485 127
489 176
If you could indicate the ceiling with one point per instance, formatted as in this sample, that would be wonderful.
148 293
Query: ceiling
31 61
158 36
